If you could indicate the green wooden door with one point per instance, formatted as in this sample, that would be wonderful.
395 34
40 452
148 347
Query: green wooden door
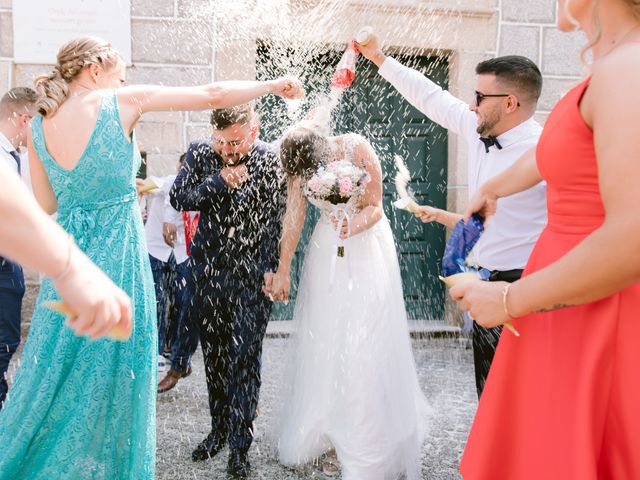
374 109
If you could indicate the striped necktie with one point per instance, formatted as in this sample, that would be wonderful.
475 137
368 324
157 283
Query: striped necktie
15 155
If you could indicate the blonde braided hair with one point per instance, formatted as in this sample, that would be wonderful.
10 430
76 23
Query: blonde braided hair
72 58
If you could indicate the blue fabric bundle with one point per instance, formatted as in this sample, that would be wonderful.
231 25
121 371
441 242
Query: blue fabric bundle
462 240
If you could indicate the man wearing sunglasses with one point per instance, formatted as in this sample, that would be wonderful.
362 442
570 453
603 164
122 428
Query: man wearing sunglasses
498 126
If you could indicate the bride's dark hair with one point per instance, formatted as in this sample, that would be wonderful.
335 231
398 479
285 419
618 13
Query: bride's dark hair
302 151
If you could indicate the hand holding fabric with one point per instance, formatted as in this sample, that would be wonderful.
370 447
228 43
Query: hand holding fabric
483 202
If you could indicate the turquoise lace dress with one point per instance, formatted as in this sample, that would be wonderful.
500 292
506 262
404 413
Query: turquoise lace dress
81 409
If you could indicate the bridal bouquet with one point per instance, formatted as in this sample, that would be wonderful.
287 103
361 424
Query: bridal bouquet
337 183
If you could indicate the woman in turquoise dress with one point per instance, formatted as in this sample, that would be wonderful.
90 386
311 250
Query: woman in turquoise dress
84 408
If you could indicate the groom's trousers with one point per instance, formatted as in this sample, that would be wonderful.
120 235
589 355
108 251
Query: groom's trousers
485 340
233 314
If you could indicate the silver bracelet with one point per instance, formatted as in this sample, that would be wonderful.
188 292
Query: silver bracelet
67 266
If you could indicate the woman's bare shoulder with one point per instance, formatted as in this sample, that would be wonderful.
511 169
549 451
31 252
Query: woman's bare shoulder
620 68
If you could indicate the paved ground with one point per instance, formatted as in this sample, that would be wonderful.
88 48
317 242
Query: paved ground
445 369
446 376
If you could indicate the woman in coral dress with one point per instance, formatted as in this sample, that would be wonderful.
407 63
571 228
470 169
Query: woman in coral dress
562 400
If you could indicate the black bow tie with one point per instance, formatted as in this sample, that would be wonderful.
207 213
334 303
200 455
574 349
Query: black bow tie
490 141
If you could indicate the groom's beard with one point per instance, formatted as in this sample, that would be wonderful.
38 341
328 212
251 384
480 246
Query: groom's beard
490 120
234 159
231 159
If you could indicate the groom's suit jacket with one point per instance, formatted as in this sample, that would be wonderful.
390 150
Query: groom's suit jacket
239 229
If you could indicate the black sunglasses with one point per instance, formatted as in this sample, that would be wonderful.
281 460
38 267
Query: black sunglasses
480 96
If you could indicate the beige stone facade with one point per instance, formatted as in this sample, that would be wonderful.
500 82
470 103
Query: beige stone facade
166 50
173 45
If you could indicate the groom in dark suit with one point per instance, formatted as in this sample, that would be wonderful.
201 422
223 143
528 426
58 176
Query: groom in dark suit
235 182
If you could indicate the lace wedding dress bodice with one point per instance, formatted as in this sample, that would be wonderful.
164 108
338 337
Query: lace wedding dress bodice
341 148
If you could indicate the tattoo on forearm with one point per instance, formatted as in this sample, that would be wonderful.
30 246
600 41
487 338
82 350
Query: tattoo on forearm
554 307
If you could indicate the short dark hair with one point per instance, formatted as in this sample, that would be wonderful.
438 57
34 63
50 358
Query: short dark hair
302 151
17 99
225 117
520 73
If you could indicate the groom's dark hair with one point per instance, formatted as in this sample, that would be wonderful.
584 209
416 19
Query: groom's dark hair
225 117
517 73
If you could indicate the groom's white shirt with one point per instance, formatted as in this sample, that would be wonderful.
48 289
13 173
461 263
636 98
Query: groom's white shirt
512 232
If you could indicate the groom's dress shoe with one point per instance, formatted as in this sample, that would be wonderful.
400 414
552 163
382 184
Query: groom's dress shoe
171 379
238 466
208 448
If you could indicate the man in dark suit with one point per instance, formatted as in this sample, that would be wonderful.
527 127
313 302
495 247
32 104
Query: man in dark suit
235 182
17 108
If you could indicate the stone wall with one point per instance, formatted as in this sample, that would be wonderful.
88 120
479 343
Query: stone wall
172 46
529 28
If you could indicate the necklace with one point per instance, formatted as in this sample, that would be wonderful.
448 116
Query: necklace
621 41
83 91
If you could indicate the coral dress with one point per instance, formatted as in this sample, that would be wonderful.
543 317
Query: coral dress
82 409
562 401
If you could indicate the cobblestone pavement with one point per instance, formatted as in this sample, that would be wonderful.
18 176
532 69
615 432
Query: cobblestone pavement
445 369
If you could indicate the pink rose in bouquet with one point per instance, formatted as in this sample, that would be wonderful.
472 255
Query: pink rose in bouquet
314 184
345 186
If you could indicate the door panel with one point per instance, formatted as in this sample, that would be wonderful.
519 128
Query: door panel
374 109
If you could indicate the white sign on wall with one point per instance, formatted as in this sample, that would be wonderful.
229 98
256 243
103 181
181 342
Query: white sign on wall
40 27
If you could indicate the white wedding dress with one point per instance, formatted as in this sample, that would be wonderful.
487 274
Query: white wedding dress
352 383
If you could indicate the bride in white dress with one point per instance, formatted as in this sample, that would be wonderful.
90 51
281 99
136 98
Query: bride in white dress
353 385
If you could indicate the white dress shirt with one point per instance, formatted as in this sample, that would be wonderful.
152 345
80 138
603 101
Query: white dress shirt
160 211
5 157
6 147
512 232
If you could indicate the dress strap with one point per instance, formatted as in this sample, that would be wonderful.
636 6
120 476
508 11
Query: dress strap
110 103
581 88
39 144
